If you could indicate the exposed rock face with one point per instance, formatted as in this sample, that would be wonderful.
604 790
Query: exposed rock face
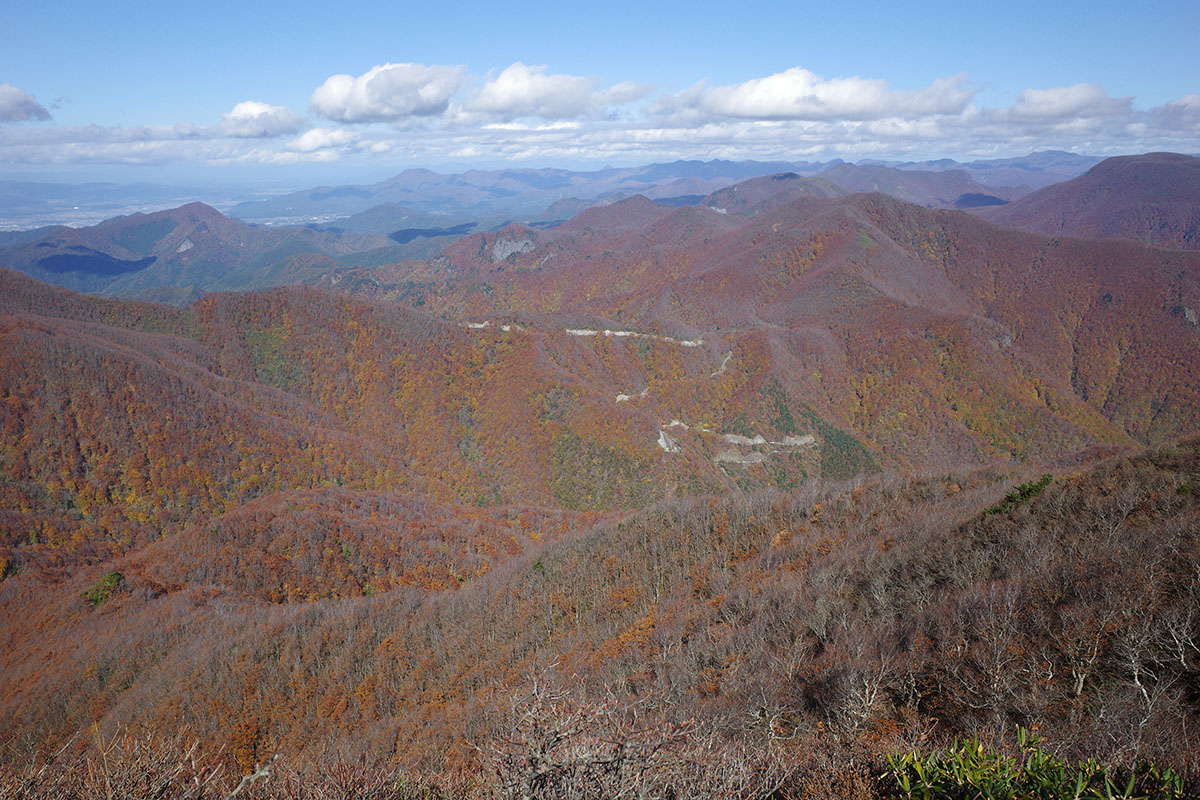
503 248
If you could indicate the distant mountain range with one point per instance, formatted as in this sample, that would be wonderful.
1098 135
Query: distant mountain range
175 256
512 194
528 194
487 197
943 189
1035 170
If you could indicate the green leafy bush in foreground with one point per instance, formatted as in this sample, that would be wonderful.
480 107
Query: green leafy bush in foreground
968 770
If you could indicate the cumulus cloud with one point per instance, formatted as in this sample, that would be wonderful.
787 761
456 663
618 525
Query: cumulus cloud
528 113
18 105
523 91
528 91
799 94
623 93
387 92
980 133
1069 102
1182 115
163 144
320 139
254 120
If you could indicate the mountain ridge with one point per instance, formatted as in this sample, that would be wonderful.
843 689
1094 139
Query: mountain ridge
1152 198
477 192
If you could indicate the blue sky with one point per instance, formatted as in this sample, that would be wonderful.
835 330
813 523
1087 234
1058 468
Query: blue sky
154 91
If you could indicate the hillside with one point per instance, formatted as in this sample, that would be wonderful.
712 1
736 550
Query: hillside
1153 199
114 407
869 613
931 335
762 194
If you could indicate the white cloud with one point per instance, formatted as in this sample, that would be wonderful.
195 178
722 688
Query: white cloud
523 91
526 113
985 132
254 120
1182 115
387 92
623 93
1069 102
799 94
18 105
527 91
320 139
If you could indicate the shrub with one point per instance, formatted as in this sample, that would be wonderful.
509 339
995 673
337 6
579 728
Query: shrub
970 771
1022 494
100 594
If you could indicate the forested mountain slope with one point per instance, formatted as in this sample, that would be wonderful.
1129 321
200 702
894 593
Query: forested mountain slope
872 612
925 332
1152 198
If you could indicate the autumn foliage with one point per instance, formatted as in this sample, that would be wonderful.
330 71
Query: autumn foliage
658 499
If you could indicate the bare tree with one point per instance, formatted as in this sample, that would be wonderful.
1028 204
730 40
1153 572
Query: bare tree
613 749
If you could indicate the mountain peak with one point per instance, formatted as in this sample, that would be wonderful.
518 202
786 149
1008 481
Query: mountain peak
196 211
